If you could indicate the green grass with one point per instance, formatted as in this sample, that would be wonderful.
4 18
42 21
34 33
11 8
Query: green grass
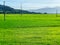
30 29
29 20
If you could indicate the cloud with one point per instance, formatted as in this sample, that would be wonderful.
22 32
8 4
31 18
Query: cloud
31 4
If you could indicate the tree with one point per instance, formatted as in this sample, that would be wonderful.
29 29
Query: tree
45 13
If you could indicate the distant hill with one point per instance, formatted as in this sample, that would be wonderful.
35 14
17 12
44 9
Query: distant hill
7 8
18 11
12 10
48 10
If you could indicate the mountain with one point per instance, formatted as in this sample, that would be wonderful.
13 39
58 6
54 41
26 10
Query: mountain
47 10
8 9
23 11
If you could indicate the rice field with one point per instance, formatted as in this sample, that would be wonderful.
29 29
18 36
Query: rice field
30 29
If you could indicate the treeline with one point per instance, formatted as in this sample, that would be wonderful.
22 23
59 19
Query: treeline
21 12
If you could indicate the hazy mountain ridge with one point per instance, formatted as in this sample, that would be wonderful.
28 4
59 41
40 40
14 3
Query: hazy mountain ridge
48 10
12 10
42 10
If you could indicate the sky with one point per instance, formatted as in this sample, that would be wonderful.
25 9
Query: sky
31 4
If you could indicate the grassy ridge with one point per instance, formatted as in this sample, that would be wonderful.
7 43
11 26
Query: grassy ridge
30 29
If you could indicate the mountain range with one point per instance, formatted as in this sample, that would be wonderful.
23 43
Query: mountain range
9 9
47 10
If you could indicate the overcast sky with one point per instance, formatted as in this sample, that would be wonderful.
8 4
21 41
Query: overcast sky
31 4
